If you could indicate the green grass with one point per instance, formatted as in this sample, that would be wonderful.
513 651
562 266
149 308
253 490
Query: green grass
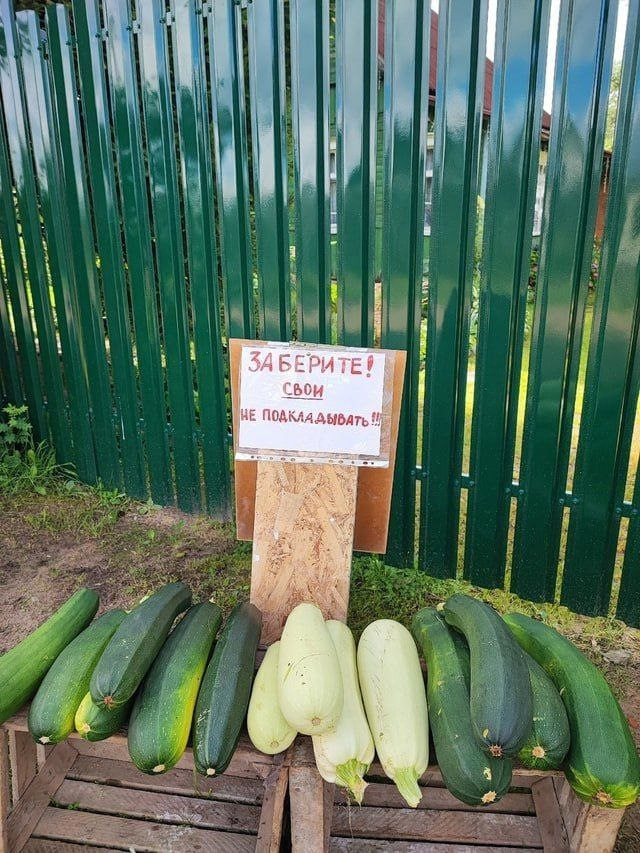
379 591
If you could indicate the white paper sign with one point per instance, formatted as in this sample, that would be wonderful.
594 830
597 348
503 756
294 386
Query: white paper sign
310 401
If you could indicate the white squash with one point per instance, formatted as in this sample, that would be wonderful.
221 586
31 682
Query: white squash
396 704
344 755
309 679
268 729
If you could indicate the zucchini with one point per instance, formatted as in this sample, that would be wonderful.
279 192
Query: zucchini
52 712
224 694
602 764
163 710
23 667
395 703
95 722
344 755
469 774
309 679
548 741
132 649
268 730
501 701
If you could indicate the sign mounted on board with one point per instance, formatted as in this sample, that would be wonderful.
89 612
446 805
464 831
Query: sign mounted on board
304 403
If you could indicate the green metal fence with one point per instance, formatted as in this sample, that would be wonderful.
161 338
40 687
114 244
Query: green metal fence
166 181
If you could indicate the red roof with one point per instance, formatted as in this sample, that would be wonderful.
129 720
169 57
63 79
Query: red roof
433 64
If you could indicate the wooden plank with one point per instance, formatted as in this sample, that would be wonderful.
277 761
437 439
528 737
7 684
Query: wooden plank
105 771
550 824
139 835
165 808
270 827
359 845
35 799
590 829
246 761
427 825
374 484
22 755
43 751
44 845
302 540
306 801
381 794
4 790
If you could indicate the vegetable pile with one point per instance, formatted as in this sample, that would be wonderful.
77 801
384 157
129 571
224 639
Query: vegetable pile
497 691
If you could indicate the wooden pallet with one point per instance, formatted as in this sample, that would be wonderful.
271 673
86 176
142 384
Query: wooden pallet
540 813
79 796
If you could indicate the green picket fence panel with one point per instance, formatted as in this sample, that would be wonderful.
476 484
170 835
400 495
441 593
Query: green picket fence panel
173 174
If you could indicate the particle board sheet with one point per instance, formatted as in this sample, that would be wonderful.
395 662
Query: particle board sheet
374 484
303 540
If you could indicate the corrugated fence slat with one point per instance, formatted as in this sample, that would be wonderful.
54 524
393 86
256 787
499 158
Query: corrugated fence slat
106 218
514 146
356 111
309 34
232 173
197 198
56 226
458 117
10 387
611 395
79 235
27 207
405 141
266 30
154 74
575 159
137 235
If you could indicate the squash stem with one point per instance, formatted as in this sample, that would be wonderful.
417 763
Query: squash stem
407 784
350 774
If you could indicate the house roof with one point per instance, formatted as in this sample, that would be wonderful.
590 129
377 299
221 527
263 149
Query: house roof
433 65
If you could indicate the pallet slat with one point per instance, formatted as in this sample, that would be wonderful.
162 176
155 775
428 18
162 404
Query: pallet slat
380 794
550 824
26 813
165 808
141 835
45 845
89 768
359 845
436 825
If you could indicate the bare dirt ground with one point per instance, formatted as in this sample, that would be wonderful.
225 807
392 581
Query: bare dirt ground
50 546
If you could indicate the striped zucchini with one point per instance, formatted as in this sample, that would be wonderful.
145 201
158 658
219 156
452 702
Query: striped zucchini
23 667
52 712
162 712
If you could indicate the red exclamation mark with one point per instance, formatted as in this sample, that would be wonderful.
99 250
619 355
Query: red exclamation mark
369 364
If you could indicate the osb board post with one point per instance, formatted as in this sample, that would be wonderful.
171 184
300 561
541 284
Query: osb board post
590 829
303 540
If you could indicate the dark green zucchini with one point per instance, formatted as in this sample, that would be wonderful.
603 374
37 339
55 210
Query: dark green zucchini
52 712
501 701
224 694
548 741
23 667
163 710
602 764
95 722
134 646
469 774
